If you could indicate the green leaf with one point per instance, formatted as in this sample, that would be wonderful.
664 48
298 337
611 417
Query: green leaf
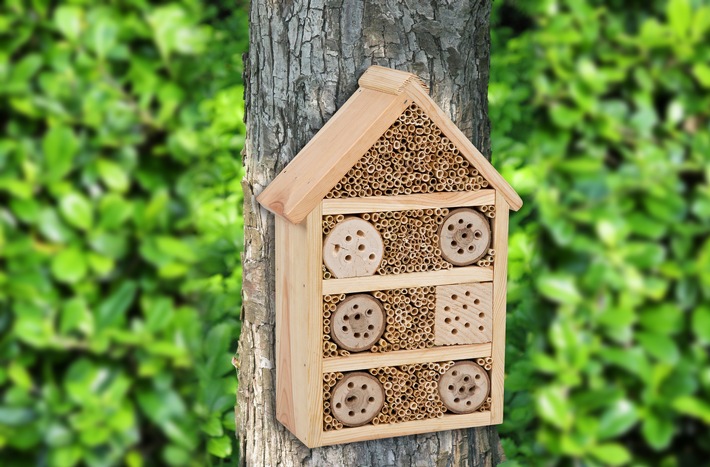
701 323
15 416
113 175
618 419
658 431
559 288
552 406
68 19
112 311
77 210
611 454
69 265
59 146
660 346
679 16
76 316
220 447
694 407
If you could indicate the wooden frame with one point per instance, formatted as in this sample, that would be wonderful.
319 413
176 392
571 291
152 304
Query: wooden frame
297 196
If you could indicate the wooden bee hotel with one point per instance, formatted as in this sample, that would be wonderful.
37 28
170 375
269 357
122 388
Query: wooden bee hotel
391 251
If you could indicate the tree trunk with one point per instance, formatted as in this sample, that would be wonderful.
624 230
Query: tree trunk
304 61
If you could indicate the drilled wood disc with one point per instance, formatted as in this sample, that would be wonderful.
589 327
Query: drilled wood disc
353 248
464 387
357 399
464 237
358 322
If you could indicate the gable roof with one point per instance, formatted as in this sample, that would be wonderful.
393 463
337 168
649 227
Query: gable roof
383 95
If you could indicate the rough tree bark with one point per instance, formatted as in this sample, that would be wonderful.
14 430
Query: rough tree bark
304 61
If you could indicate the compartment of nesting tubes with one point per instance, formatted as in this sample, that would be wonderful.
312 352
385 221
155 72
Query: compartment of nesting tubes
407 319
416 240
412 156
396 394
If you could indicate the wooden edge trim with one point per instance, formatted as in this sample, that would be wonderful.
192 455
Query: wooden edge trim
366 432
389 80
314 336
500 272
466 147
411 279
366 360
403 202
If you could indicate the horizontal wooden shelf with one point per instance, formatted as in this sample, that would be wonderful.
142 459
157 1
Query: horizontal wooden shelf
365 432
411 279
366 360
404 202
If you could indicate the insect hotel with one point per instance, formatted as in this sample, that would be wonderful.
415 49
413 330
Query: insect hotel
391 251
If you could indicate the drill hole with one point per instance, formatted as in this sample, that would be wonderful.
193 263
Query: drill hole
338 405
467 325
468 403
346 317
446 308
471 248
351 413
465 307
451 387
472 388
370 327
454 243
366 335
356 335
364 387
450 227
447 320
476 301
351 385
468 226
345 329
466 379
372 257
468 293
481 315
454 373
362 411
457 400
348 238
480 328
336 249
351 399
460 251
357 316
477 234
348 258
361 247
460 221
464 235
457 318
461 389
477 376
370 399
360 233
368 312
454 297
356 306
454 331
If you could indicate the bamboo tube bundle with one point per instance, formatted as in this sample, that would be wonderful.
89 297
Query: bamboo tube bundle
329 381
413 145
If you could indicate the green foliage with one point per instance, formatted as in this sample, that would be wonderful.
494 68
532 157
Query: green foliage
601 119
120 231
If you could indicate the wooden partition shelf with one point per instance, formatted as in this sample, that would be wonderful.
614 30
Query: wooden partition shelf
401 203
366 360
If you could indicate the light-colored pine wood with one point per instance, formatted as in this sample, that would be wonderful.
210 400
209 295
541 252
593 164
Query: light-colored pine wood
464 236
412 279
354 248
468 150
463 314
464 387
404 202
447 422
298 327
301 186
388 80
366 360
500 272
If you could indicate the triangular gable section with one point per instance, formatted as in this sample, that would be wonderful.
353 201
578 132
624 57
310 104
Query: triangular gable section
383 96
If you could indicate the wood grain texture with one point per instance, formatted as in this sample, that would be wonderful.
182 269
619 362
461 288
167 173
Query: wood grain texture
447 422
405 357
412 279
304 61
404 202
463 314
387 80
500 273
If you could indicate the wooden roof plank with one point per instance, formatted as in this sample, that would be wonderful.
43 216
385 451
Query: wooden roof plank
331 153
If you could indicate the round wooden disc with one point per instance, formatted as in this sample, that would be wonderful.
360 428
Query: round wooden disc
464 387
357 399
358 322
464 237
353 248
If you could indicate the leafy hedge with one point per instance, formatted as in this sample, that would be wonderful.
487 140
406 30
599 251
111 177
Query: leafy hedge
119 230
601 118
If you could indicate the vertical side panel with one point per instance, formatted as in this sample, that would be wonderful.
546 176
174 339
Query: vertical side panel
284 374
313 334
500 273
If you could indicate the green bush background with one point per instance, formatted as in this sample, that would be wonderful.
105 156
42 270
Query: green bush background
120 230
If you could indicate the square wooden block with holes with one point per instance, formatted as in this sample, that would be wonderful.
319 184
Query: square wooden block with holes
391 251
